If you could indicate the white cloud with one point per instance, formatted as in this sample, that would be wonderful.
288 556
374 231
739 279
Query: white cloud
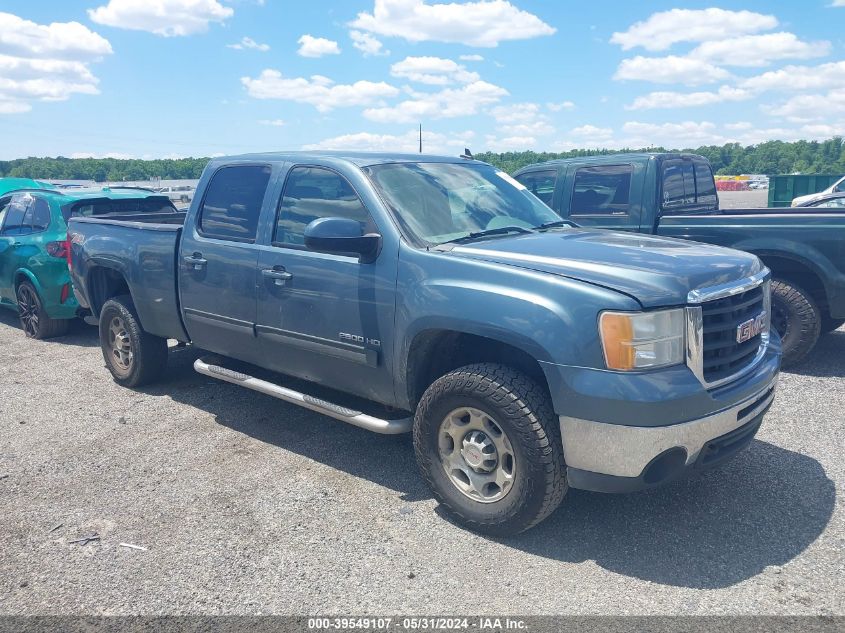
118 155
168 18
432 70
433 142
480 23
448 103
797 78
471 58
593 132
310 46
249 43
509 143
663 29
522 120
671 69
811 107
654 100
317 90
838 3
759 50
45 62
367 44
58 40
563 105
272 122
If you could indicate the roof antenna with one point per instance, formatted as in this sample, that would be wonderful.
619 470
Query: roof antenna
420 138
467 154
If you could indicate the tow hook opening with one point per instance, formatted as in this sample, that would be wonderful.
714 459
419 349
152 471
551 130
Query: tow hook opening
665 466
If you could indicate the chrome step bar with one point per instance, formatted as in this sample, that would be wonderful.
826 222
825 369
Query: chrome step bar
371 423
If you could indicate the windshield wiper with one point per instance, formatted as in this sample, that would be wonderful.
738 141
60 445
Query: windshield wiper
553 224
501 230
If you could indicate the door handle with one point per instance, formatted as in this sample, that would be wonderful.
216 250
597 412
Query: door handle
195 261
17 244
279 275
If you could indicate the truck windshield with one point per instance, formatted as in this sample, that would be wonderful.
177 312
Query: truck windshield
443 202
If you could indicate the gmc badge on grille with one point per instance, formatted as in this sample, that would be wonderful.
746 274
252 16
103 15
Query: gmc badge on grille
751 328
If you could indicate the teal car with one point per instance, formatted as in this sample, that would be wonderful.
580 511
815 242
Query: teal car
34 246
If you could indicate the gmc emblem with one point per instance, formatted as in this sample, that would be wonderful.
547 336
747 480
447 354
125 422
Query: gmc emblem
751 328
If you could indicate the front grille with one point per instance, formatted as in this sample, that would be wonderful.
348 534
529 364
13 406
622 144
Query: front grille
722 355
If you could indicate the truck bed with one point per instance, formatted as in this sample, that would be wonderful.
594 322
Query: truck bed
143 249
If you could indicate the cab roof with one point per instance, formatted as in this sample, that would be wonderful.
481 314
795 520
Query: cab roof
361 159
616 158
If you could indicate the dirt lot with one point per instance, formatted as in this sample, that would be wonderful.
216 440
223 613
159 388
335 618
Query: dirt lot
249 505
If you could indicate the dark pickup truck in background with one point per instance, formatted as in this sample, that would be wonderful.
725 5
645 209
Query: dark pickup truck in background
527 355
675 195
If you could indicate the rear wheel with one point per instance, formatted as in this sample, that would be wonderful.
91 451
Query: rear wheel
34 319
796 318
488 444
133 356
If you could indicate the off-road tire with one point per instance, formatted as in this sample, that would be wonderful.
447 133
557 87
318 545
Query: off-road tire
795 306
149 353
42 327
830 325
522 408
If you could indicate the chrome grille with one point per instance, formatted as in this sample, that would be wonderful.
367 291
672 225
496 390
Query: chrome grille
722 356
714 316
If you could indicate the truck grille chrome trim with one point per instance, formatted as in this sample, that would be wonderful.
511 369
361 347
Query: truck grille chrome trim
715 353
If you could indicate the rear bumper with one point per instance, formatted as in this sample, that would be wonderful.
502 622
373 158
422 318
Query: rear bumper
618 458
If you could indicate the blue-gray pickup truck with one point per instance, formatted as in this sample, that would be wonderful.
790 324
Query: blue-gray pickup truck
525 354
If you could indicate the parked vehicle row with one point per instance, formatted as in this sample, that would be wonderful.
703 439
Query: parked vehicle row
675 195
526 354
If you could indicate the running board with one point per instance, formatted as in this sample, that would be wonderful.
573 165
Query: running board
377 425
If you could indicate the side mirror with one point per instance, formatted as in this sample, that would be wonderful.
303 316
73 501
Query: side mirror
342 236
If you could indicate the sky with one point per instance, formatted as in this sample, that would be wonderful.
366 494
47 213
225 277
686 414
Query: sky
173 78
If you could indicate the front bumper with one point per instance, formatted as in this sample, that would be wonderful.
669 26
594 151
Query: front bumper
618 458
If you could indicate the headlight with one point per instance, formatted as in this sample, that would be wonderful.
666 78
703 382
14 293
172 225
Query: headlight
642 340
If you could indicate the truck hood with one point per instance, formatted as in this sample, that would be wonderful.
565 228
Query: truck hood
656 271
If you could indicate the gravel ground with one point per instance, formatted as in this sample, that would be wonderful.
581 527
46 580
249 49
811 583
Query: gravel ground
755 199
249 505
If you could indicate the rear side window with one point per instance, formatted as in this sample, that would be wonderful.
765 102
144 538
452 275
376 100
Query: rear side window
705 186
540 183
687 184
232 203
38 215
312 193
602 190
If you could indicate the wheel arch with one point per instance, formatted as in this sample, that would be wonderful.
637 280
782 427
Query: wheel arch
799 271
435 351
104 282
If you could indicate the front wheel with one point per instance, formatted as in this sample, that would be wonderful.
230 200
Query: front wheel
133 356
488 444
34 319
796 318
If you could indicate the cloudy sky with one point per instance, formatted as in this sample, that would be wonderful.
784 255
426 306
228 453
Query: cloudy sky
154 78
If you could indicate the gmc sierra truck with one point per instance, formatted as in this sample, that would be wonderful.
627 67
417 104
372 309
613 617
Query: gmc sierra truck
525 354
675 195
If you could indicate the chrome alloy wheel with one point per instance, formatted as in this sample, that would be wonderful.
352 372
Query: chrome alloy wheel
28 310
476 454
120 344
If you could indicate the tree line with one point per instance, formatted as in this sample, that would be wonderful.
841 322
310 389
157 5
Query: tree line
772 157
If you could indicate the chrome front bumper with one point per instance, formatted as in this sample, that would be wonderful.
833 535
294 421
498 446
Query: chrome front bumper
625 451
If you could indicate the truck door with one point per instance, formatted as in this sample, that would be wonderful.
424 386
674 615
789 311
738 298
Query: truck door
603 196
218 259
324 317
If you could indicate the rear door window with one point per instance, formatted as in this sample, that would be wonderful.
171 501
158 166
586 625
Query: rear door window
232 203
678 184
13 222
540 183
604 190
